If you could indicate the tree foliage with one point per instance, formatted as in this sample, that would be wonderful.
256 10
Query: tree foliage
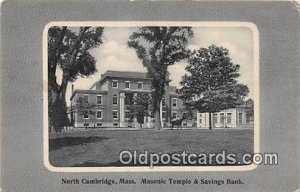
211 82
83 108
141 104
69 49
159 47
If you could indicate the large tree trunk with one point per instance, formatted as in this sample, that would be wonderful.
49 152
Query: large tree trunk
52 97
58 107
157 120
159 85
156 103
59 114
53 87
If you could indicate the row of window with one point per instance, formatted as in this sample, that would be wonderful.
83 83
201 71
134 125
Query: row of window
100 124
127 115
127 84
115 100
99 99
99 115
228 118
222 118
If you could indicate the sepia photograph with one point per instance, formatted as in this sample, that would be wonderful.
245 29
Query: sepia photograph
144 95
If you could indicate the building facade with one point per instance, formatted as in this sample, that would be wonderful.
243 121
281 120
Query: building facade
240 116
112 96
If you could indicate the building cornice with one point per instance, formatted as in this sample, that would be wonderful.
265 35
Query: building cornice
87 91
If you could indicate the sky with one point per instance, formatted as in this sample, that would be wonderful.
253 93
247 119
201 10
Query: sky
114 54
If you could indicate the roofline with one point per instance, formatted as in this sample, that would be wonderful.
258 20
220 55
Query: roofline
110 75
86 90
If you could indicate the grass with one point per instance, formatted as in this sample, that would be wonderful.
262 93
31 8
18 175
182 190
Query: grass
96 148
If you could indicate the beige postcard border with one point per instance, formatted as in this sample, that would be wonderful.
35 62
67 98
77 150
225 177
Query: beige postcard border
250 25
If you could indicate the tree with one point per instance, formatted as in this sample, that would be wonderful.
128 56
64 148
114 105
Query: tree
249 104
68 49
158 48
83 108
211 83
140 107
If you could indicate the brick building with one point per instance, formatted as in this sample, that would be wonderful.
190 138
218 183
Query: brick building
112 95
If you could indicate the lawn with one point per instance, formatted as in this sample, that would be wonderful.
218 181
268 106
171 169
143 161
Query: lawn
95 148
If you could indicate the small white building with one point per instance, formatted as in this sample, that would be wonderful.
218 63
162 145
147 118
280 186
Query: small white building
238 117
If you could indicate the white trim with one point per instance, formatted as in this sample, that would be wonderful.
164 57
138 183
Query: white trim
238 117
164 105
97 114
173 114
87 98
101 99
112 84
227 115
125 84
175 102
113 114
115 104
138 85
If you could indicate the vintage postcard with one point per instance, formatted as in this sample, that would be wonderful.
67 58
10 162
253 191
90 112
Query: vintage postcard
151 96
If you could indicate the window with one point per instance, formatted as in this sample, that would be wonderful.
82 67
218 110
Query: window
86 99
163 114
174 102
215 118
115 114
99 114
127 84
174 115
222 118
85 116
115 84
240 117
163 102
115 100
99 124
140 85
200 121
115 124
99 99
228 117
